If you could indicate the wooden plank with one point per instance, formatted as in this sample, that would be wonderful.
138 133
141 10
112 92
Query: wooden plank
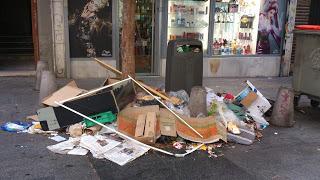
141 121
150 127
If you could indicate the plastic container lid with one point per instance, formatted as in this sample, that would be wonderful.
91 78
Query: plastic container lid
308 27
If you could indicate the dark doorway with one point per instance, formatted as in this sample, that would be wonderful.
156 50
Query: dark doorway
16 43
314 17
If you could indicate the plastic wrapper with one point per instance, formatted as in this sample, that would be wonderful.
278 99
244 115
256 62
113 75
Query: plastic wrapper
15 126
181 94
184 110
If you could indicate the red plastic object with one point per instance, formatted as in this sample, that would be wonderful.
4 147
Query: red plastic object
308 27
229 96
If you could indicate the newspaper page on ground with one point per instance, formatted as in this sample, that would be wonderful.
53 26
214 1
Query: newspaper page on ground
125 152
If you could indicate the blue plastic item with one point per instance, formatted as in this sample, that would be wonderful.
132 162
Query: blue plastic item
15 126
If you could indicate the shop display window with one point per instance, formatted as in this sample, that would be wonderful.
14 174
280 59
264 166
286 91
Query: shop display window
189 19
235 27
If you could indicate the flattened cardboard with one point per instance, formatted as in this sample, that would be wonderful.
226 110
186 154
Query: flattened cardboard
167 123
141 121
151 123
249 99
68 91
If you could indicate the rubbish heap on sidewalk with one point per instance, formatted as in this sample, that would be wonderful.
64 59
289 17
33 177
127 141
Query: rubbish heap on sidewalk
124 119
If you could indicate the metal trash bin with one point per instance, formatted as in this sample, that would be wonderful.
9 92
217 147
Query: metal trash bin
306 71
184 66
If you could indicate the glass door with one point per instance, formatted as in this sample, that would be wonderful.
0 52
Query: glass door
144 36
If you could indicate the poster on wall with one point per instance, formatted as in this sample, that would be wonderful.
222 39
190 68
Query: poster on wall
90 28
271 17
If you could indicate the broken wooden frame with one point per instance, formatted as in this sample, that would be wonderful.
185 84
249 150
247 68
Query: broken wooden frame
119 73
121 134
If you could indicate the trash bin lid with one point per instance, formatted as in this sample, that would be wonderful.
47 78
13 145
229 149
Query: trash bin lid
308 27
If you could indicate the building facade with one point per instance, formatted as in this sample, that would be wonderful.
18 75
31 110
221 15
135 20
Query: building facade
241 38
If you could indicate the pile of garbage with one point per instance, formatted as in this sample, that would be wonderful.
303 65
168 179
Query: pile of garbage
123 119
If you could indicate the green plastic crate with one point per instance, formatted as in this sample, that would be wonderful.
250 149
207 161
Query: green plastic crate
105 117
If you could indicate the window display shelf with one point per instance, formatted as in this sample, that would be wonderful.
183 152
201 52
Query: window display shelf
188 19
235 27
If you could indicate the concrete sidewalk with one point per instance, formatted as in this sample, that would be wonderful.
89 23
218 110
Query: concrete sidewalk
283 153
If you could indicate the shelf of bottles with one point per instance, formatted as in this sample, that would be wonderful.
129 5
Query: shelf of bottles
235 27
189 19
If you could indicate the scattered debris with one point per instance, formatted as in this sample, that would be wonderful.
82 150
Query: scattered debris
65 146
177 145
57 138
78 151
123 119
75 130
32 118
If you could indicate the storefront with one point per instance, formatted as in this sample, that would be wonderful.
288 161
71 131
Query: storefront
240 37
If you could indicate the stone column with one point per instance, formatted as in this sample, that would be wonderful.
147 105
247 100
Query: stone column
58 31
286 59
45 32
